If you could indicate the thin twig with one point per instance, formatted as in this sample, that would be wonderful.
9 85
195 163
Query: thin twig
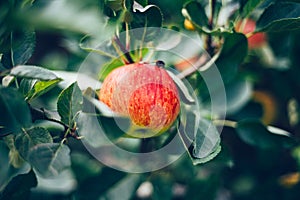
228 123
123 49
209 41
199 66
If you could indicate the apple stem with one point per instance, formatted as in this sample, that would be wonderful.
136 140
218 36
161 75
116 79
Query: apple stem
123 49
160 63
209 43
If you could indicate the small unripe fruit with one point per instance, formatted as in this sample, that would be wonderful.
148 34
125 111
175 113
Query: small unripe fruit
188 25
143 92
248 26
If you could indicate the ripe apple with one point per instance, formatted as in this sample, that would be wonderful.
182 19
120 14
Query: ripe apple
248 26
145 93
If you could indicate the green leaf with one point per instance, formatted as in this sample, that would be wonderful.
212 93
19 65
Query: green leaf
106 49
101 107
143 3
33 72
19 187
195 12
199 136
99 130
185 95
247 9
15 112
254 133
227 61
49 159
207 139
26 3
32 88
144 19
41 87
163 186
282 16
115 5
205 187
26 85
15 158
77 17
7 172
21 48
70 102
126 186
31 137
82 162
108 67
233 53
84 80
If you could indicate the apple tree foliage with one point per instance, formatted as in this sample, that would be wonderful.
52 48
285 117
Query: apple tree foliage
45 113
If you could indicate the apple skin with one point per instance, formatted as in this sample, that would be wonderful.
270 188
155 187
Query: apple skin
256 40
143 92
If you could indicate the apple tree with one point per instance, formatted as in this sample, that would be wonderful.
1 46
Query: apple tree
148 99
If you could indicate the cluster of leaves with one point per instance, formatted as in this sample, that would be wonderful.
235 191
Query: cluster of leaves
35 142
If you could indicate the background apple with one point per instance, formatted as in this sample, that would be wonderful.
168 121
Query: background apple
256 40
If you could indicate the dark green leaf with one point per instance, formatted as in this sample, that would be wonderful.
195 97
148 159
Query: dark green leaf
143 3
15 113
238 93
52 127
70 102
19 187
163 187
206 187
283 16
195 12
15 158
31 137
101 130
253 132
83 166
115 5
21 48
233 53
4 160
7 172
150 16
49 159
33 72
126 186
26 85
106 179
247 9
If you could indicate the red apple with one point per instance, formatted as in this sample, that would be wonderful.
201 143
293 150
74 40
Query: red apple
145 93
257 39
